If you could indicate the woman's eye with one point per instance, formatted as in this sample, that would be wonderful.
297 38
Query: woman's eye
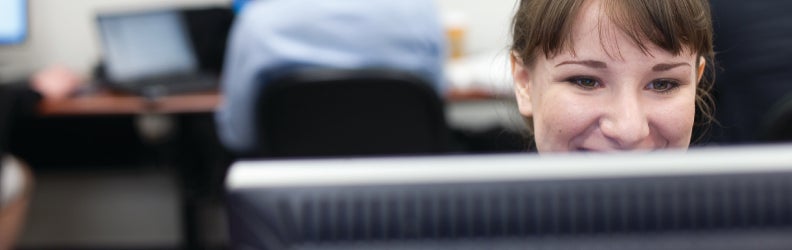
585 82
662 85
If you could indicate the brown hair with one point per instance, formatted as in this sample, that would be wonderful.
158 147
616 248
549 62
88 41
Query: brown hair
543 27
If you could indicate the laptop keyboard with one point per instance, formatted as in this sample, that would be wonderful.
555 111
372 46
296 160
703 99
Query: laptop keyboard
174 85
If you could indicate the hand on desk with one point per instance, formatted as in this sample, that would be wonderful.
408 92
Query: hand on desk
56 82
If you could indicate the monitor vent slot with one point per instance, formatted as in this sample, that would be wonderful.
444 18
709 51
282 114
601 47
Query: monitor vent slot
546 208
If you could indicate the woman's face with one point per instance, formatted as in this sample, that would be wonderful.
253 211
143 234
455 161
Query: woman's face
609 95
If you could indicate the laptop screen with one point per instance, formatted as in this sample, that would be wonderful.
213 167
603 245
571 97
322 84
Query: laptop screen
144 45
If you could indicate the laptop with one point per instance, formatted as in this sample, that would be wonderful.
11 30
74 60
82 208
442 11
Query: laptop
150 53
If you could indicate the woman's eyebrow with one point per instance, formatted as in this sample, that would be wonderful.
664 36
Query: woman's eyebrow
668 66
602 65
588 63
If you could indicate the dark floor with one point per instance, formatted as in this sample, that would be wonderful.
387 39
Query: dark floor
113 208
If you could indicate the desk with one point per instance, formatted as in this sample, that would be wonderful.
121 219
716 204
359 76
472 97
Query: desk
462 95
110 103
192 148
193 141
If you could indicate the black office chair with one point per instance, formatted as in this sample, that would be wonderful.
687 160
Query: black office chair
321 112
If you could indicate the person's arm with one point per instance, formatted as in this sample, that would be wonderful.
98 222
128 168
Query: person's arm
24 100
17 101
20 100
16 184
247 53
18 106
55 82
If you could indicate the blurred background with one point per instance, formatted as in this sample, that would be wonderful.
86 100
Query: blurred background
121 171
65 32
106 180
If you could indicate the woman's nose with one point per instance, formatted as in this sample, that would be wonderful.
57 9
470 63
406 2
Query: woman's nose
625 122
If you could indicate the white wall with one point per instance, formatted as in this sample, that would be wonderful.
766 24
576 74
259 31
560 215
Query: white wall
63 32
488 22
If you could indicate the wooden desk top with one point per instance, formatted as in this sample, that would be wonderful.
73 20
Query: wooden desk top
111 103
456 95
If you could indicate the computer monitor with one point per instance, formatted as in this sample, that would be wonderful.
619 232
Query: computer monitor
13 21
723 198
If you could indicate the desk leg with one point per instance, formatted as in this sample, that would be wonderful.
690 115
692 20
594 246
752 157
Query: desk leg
200 163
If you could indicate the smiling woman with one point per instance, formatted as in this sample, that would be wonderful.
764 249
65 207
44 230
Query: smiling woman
606 75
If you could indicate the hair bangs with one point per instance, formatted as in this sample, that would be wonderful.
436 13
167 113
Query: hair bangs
670 25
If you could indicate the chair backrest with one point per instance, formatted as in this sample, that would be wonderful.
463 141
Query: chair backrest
348 112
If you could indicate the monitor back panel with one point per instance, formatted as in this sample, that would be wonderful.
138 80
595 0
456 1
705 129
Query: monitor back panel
719 199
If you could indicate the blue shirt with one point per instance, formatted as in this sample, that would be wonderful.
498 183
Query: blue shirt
278 34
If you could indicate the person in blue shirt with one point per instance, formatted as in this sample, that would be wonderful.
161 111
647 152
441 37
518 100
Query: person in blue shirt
280 35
